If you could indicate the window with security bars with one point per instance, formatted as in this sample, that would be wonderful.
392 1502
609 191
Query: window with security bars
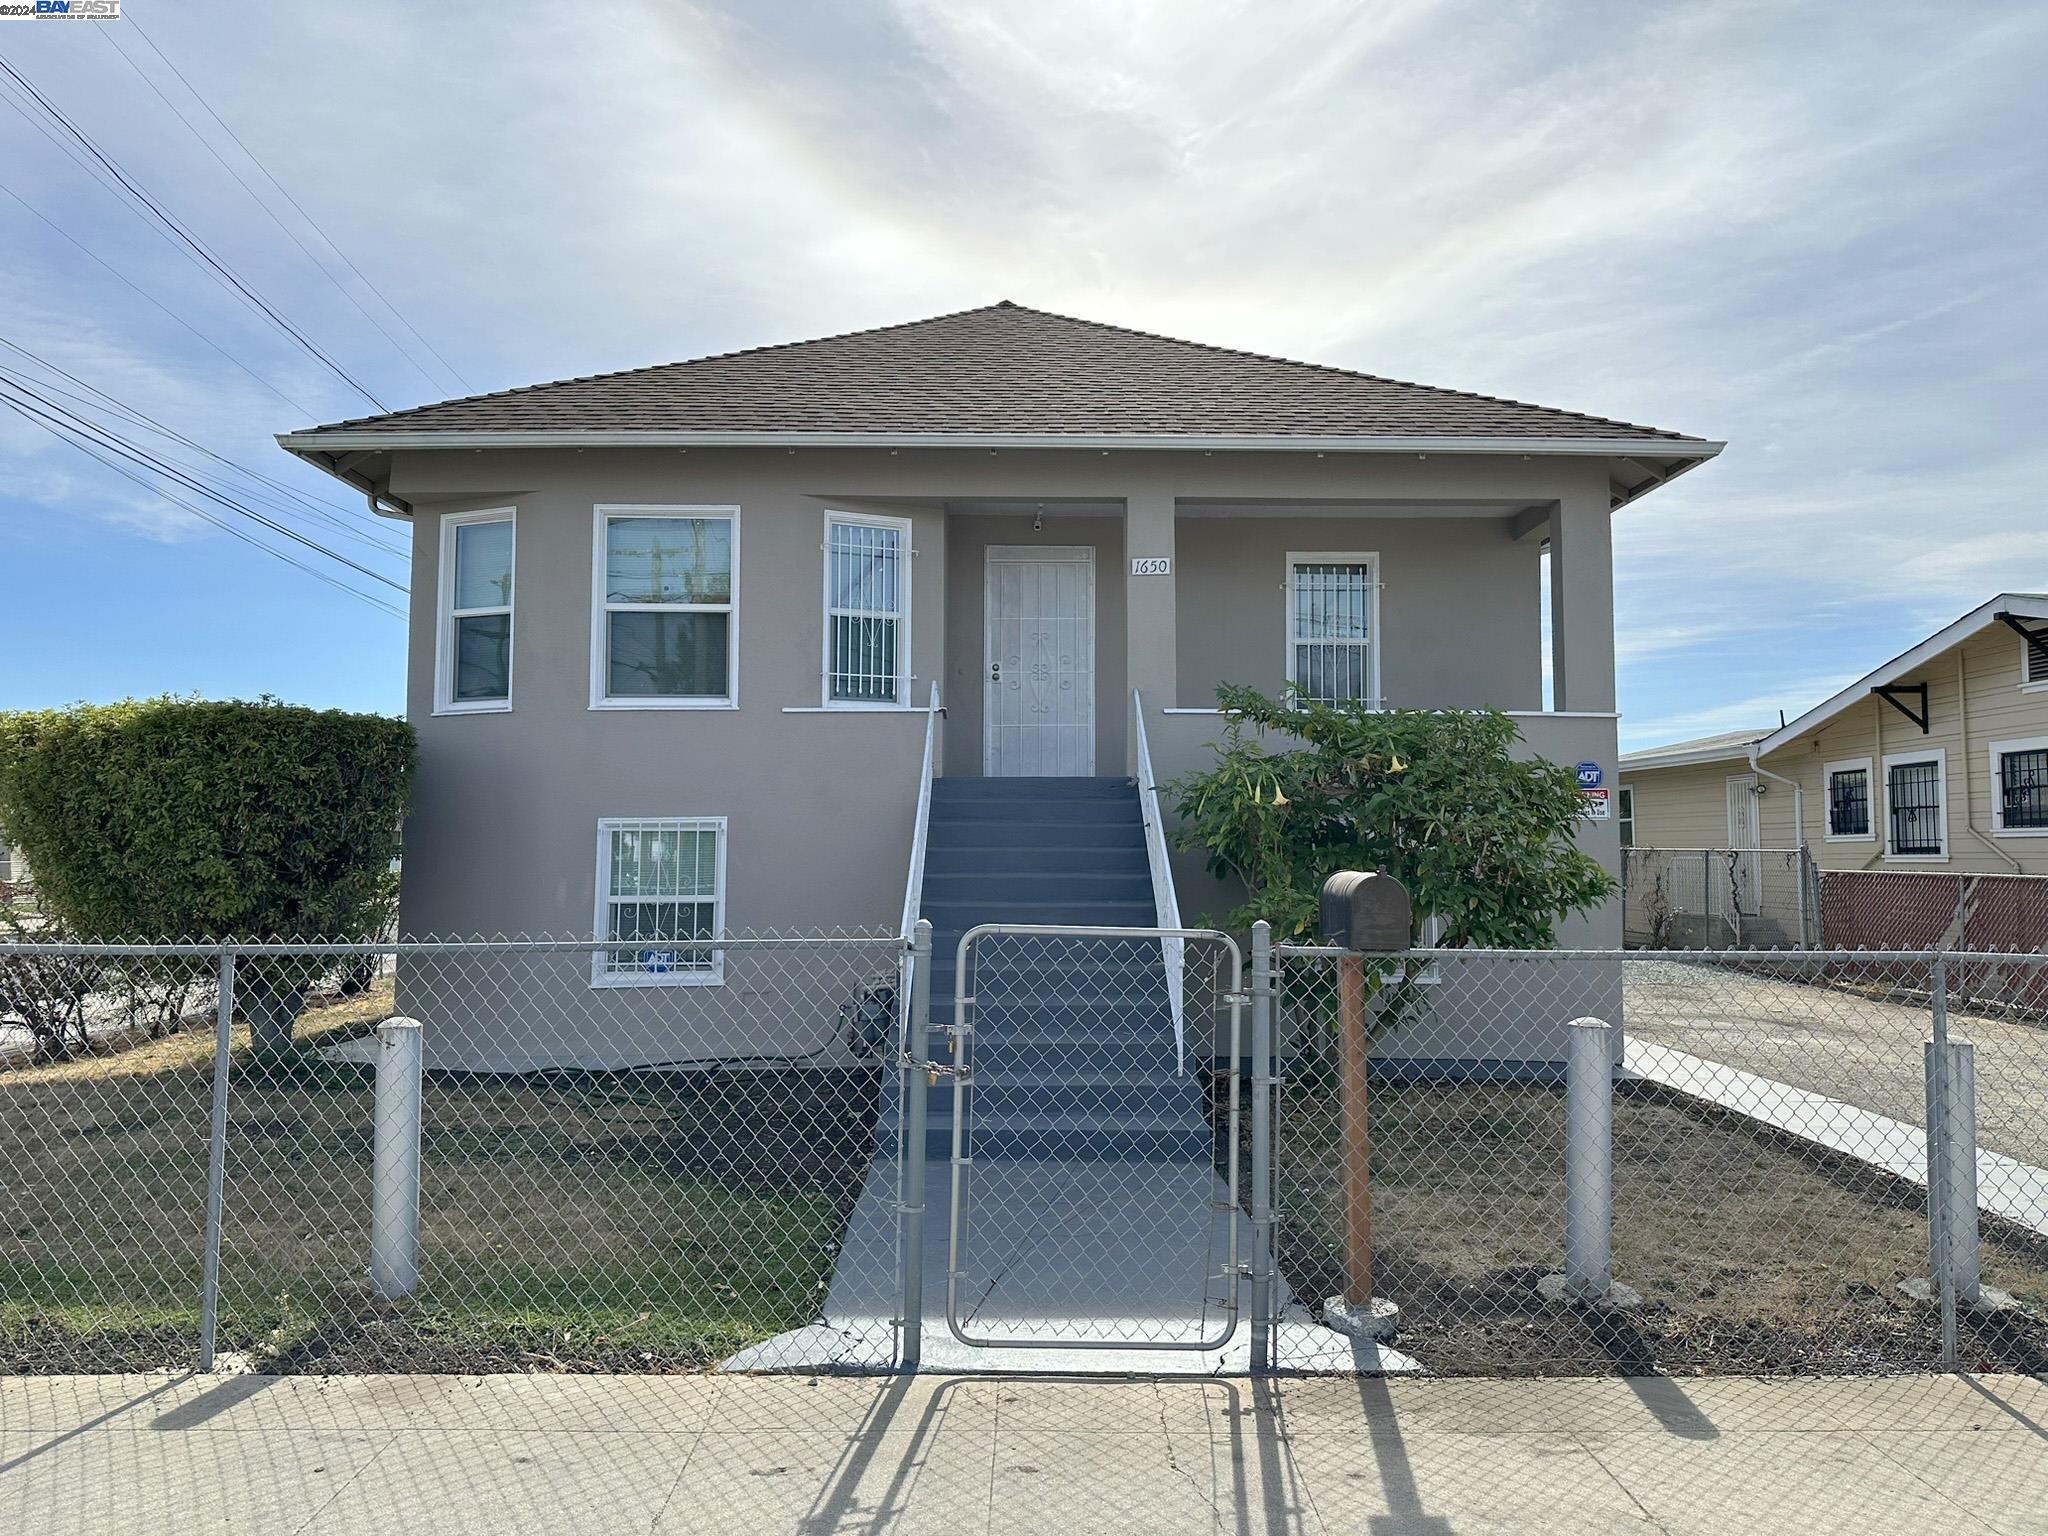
1914 801
2023 790
866 604
1330 611
1849 802
661 885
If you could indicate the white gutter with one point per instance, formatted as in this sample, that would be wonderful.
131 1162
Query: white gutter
1798 829
1733 752
344 440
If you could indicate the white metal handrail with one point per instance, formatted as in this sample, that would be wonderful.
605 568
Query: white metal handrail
920 832
1165 904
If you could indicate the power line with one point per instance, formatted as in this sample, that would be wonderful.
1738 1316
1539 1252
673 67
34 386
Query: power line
201 513
114 272
316 507
53 416
110 34
285 192
141 201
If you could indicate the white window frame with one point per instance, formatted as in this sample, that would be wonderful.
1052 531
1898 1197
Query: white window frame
1371 561
1827 802
1939 757
445 615
600 976
2030 684
1625 814
1998 752
902 615
600 669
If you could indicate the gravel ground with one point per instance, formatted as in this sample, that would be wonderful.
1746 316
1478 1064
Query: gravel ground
1847 1041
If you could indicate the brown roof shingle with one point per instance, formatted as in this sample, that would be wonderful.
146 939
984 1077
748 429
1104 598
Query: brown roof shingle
1001 369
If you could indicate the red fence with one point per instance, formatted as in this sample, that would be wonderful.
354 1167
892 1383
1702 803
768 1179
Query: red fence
1913 909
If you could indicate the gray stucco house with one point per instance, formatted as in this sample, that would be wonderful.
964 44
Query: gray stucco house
676 631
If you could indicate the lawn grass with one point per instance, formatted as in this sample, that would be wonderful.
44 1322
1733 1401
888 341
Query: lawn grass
579 1221
1752 1254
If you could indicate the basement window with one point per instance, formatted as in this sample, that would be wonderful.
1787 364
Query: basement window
660 895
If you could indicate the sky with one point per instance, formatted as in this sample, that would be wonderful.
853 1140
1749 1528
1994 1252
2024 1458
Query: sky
1813 230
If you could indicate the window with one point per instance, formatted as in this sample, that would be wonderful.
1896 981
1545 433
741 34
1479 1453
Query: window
2019 787
867 607
474 665
11 867
1625 814
663 610
1848 803
660 885
1916 805
2034 658
1332 624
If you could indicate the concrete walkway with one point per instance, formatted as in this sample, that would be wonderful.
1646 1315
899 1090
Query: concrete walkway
737 1456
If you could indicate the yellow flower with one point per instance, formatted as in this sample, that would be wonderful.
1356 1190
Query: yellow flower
1397 766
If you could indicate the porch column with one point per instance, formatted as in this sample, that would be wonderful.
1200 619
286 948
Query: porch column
1152 657
1582 601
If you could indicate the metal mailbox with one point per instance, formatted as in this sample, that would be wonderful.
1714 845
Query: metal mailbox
1365 911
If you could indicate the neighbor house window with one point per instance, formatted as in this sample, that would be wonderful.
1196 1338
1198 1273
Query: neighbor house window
1916 805
1625 814
663 609
1332 629
2019 786
475 647
660 893
867 610
1848 799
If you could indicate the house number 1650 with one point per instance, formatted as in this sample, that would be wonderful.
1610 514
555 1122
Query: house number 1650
1152 565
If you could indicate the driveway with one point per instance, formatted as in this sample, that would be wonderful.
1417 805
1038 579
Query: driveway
1842 1043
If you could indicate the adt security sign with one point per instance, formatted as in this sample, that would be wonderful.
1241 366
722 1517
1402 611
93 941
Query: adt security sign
1589 775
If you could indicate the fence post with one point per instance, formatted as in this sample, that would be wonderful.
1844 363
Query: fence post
1264 1000
1588 1278
395 1161
1939 1207
915 1087
216 1164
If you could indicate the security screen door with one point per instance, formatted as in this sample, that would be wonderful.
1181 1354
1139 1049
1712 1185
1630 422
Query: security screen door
1039 682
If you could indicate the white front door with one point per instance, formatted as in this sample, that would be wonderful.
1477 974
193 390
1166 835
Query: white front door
1744 837
1038 687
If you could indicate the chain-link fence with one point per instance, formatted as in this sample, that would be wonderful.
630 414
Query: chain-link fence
1750 1197
1720 898
613 1164
699 1154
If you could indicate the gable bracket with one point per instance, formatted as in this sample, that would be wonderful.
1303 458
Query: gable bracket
1896 694
2037 640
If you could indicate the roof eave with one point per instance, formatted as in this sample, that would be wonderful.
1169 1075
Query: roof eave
1643 763
2027 605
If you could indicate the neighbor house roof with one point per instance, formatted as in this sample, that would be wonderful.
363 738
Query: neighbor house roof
1008 376
1724 747
2030 606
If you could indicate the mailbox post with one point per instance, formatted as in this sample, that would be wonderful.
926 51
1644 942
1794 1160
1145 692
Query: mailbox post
1361 914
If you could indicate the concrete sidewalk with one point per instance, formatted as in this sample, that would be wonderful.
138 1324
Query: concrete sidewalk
745 1455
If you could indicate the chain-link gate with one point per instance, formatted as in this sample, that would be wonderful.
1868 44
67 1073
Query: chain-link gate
1090 1206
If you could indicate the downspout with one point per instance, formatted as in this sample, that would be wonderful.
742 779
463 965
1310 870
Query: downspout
1970 770
1798 830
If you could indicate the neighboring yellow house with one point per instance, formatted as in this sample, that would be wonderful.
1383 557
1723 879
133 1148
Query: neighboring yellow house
1937 760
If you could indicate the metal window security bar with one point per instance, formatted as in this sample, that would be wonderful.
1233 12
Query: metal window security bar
2023 790
1914 797
539 1174
864 607
1849 803
1330 612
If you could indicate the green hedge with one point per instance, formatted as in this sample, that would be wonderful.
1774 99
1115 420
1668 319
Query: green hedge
177 818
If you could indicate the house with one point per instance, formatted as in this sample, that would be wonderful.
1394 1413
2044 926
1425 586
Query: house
1936 761
676 631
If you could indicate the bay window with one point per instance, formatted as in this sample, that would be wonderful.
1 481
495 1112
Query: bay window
663 609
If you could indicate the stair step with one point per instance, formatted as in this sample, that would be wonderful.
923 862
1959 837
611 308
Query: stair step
960 787
1029 857
1092 810
1006 885
997 835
